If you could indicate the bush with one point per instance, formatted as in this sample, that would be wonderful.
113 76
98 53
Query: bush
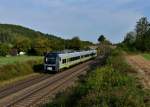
11 71
117 61
4 49
110 88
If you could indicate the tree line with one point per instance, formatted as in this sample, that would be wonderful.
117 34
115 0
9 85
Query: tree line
15 39
139 39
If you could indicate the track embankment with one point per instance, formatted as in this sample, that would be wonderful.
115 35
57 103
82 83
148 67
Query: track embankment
31 92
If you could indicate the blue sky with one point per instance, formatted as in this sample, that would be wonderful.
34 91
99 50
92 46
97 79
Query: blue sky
84 18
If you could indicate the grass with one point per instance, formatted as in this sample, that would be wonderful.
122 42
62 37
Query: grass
16 67
107 86
15 59
146 56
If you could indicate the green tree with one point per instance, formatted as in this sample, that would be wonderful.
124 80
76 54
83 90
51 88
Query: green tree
104 45
130 38
101 38
41 45
22 44
5 37
4 49
146 41
128 43
141 29
75 43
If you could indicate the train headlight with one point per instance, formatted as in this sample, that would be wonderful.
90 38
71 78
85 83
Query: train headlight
46 59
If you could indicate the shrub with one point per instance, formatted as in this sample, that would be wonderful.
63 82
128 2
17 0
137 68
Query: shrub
111 88
4 49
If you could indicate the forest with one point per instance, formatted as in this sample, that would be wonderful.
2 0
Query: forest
15 39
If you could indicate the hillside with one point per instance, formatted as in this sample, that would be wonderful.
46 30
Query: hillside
24 39
8 32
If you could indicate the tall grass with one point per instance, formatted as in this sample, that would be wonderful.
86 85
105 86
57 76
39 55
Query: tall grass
108 86
146 56
18 69
16 59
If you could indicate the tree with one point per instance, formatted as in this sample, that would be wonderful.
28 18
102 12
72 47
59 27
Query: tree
75 43
41 45
146 41
129 41
22 43
4 49
142 27
101 38
130 38
5 37
104 45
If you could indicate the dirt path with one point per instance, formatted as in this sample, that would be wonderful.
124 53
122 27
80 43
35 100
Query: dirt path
143 68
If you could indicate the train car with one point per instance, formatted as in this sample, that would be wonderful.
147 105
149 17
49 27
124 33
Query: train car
58 61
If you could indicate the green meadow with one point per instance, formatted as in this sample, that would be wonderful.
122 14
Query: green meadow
146 56
16 59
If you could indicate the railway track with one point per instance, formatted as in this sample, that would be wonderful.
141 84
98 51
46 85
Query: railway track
5 91
24 96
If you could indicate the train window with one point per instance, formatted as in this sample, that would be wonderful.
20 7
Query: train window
86 55
92 54
74 58
64 61
70 59
78 57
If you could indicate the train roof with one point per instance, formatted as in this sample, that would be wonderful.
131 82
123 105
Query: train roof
76 53
71 53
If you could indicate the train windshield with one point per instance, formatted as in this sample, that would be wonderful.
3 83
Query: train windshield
50 59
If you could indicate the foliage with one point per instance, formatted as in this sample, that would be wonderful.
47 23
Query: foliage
129 40
145 42
101 38
75 43
140 40
111 88
17 59
104 47
41 46
36 43
4 49
142 27
18 69
5 37
146 56
22 44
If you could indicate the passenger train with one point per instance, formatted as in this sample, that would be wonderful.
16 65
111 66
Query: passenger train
56 61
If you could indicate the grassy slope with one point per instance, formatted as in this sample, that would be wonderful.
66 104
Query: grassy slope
146 56
16 67
11 60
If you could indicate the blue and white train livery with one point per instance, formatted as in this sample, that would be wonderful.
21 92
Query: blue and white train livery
58 61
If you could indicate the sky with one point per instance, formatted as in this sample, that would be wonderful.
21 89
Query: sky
84 18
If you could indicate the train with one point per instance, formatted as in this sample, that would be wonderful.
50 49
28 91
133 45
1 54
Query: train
57 61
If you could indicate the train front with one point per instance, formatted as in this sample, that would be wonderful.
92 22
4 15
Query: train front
51 62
